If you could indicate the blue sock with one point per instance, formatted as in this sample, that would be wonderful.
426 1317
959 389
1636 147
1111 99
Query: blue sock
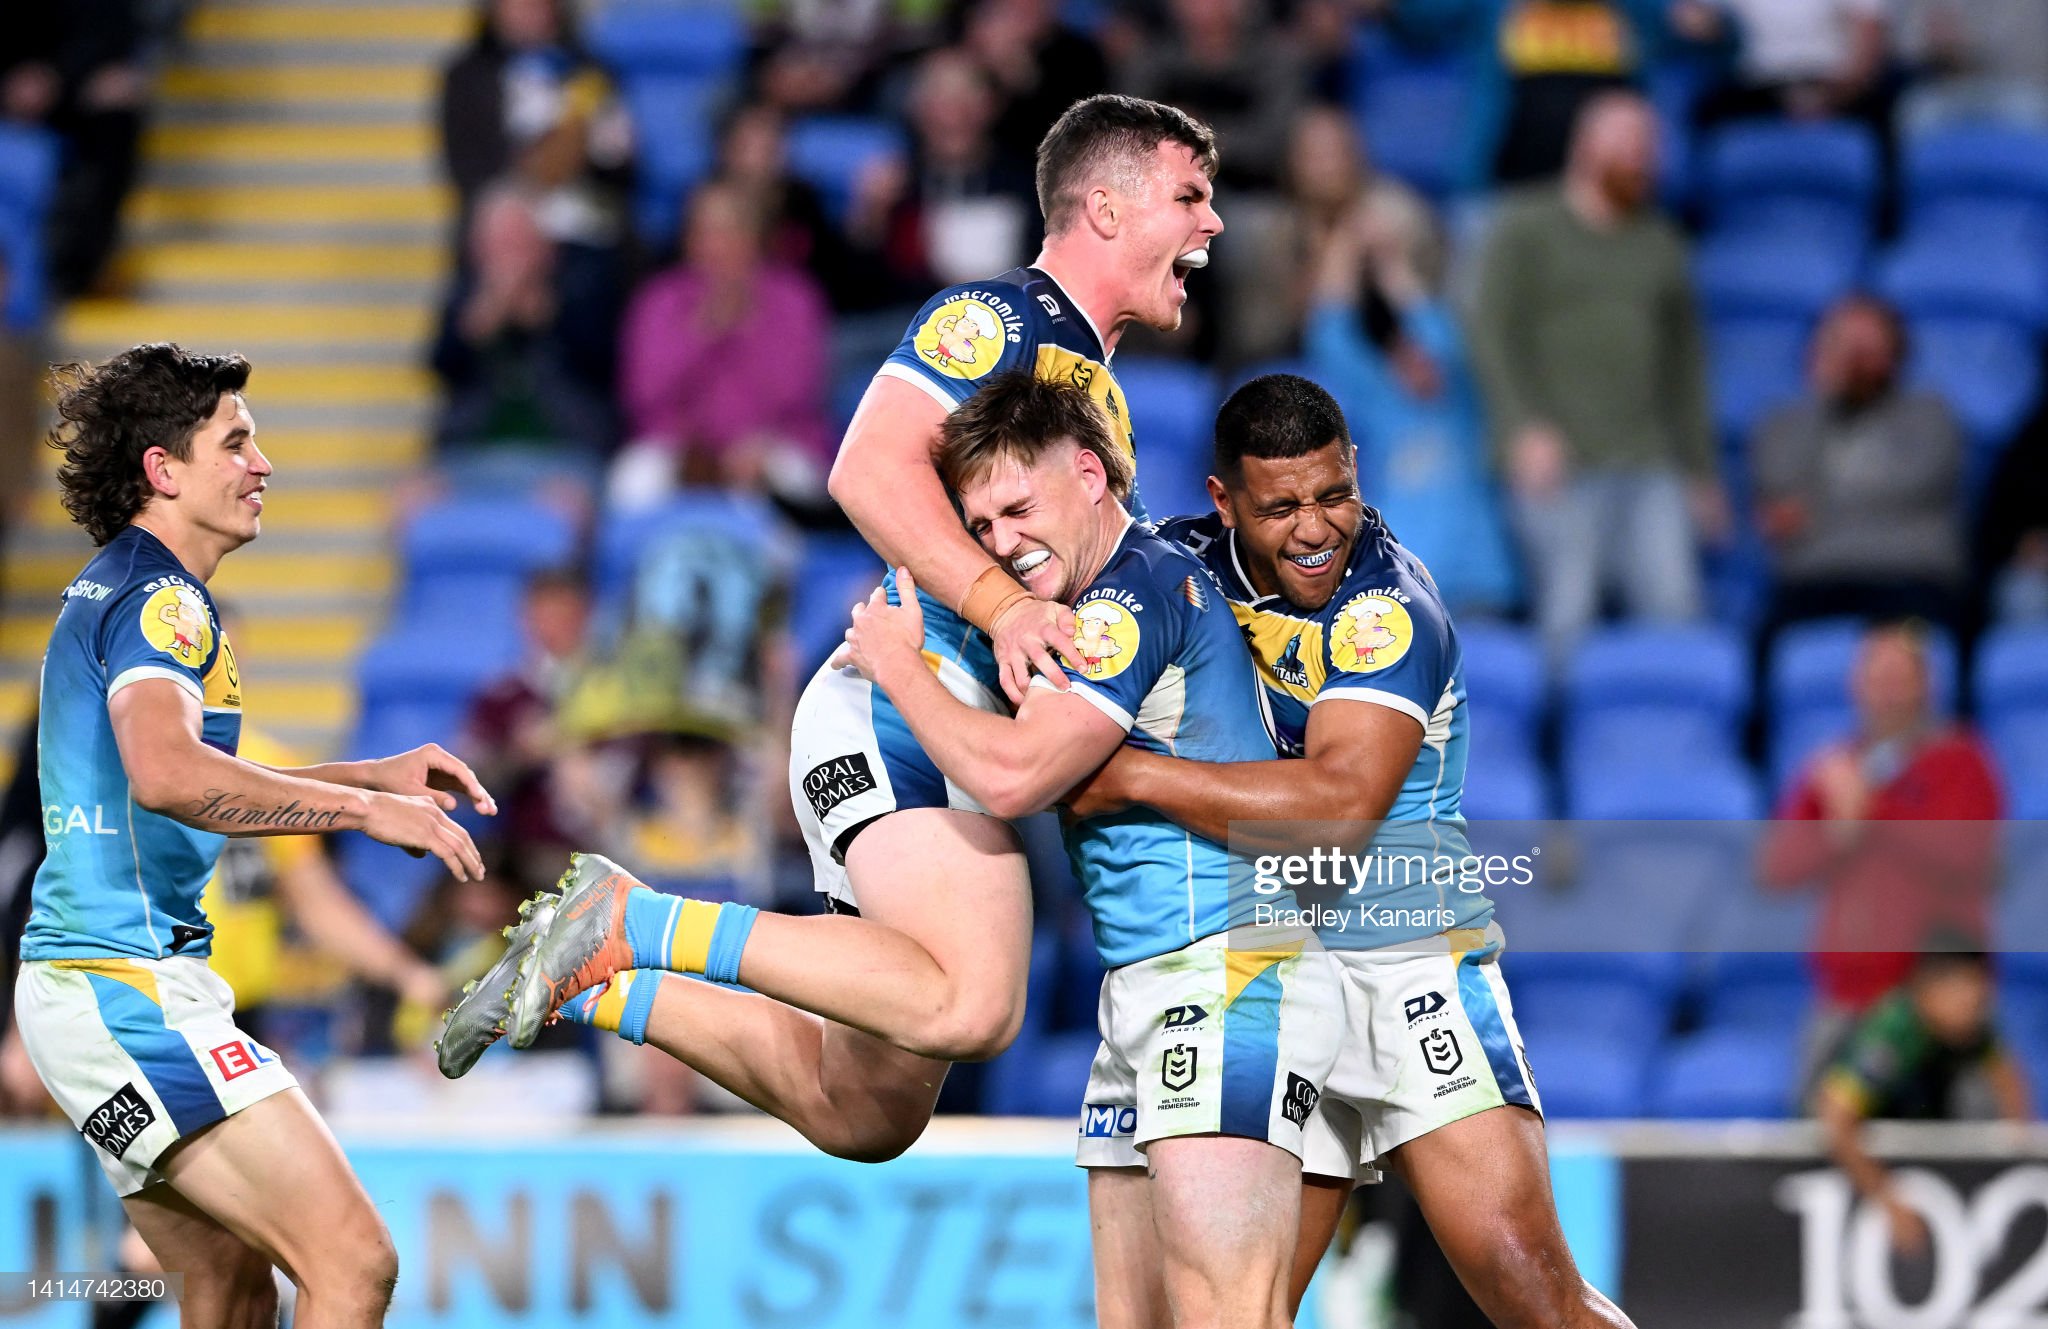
728 940
621 1006
651 919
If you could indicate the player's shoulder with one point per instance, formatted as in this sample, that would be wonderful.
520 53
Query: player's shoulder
132 563
1148 563
1383 566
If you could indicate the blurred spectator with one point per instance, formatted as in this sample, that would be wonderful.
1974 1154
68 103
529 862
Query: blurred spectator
724 364
512 737
1859 486
522 358
823 55
1806 58
1039 64
2011 554
1975 59
753 154
1894 825
81 69
1589 348
524 100
1907 1060
962 207
1224 64
1535 64
1382 337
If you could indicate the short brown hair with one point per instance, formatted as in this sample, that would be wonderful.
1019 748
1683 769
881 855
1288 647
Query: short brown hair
152 396
1016 417
1098 132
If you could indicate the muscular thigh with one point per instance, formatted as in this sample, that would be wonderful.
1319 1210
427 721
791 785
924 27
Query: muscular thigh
954 882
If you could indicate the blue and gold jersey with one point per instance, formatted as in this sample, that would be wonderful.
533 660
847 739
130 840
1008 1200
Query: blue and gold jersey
964 335
119 879
1159 653
1383 638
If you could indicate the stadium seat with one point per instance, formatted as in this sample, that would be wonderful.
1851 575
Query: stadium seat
672 118
635 39
1614 1009
1504 670
1046 1076
1756 365
1588 1077
492 535
1413 121
1743 919
1770 177
1173 412
2020 741
1756 989
1787 276
444 664
743 519
2020 912
1689 786
478 602
1697 669
2012 670
1987 278
28 179
834 573
1736 1072
1988 370
28 169
390 883
1503 781
831 152
1976 162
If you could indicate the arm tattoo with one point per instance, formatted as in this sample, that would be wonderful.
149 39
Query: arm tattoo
221 809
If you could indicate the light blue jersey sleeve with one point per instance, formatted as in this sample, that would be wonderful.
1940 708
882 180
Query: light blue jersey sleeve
1128 635
960 337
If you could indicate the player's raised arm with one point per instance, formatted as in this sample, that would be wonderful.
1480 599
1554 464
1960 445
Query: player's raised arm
885 479
173 772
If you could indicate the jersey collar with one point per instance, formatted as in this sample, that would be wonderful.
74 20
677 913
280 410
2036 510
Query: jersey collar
1079 313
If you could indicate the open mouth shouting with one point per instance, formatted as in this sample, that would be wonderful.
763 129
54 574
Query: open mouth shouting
1186 263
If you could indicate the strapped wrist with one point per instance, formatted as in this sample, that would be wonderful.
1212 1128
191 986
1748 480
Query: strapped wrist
993 592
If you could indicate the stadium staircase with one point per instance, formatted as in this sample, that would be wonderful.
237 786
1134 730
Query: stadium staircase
290 209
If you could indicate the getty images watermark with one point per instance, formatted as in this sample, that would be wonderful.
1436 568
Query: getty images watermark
1331 888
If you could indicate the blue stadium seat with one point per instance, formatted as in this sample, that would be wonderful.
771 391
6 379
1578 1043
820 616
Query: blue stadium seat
2020 911
486 534
1810 665
444 664
1736 1072
831 152
28 169
1626 897
1776 276
1503 781
634 39
1579 1076
2012 670
835 572
1045 1076
1988 278
1987 369
1413 121
1173 416
1756 989
1756 364
471 601
1746 920
1976 162
1504 669
1827 173
1694 668
2020 740
672 119
1707 787
1614 1008
390 883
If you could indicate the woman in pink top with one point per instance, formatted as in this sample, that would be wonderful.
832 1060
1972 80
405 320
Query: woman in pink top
724 363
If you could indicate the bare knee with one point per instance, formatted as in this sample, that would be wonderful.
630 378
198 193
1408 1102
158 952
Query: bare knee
360 1271
976 1024
878 1142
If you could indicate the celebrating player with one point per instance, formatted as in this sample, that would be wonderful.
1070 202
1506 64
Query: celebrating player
1365 685
220 1161
933 970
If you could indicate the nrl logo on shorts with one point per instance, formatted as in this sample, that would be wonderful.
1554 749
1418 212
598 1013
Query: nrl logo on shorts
1177 1071
1441 1053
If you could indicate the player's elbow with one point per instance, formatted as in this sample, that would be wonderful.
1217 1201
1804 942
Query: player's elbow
1013 794
155 787
842 481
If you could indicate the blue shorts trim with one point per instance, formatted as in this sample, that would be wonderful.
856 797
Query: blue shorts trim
913 779
1484 1013
174 1072
1251 1056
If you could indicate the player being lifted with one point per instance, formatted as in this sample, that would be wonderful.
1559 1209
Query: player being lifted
221 1163
934 968
1365 684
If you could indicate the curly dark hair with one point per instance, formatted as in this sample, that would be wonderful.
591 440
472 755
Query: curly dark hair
151 396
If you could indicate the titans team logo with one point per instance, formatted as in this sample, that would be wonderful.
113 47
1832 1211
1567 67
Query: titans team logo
175 621
963 338
1371 632
1105 638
